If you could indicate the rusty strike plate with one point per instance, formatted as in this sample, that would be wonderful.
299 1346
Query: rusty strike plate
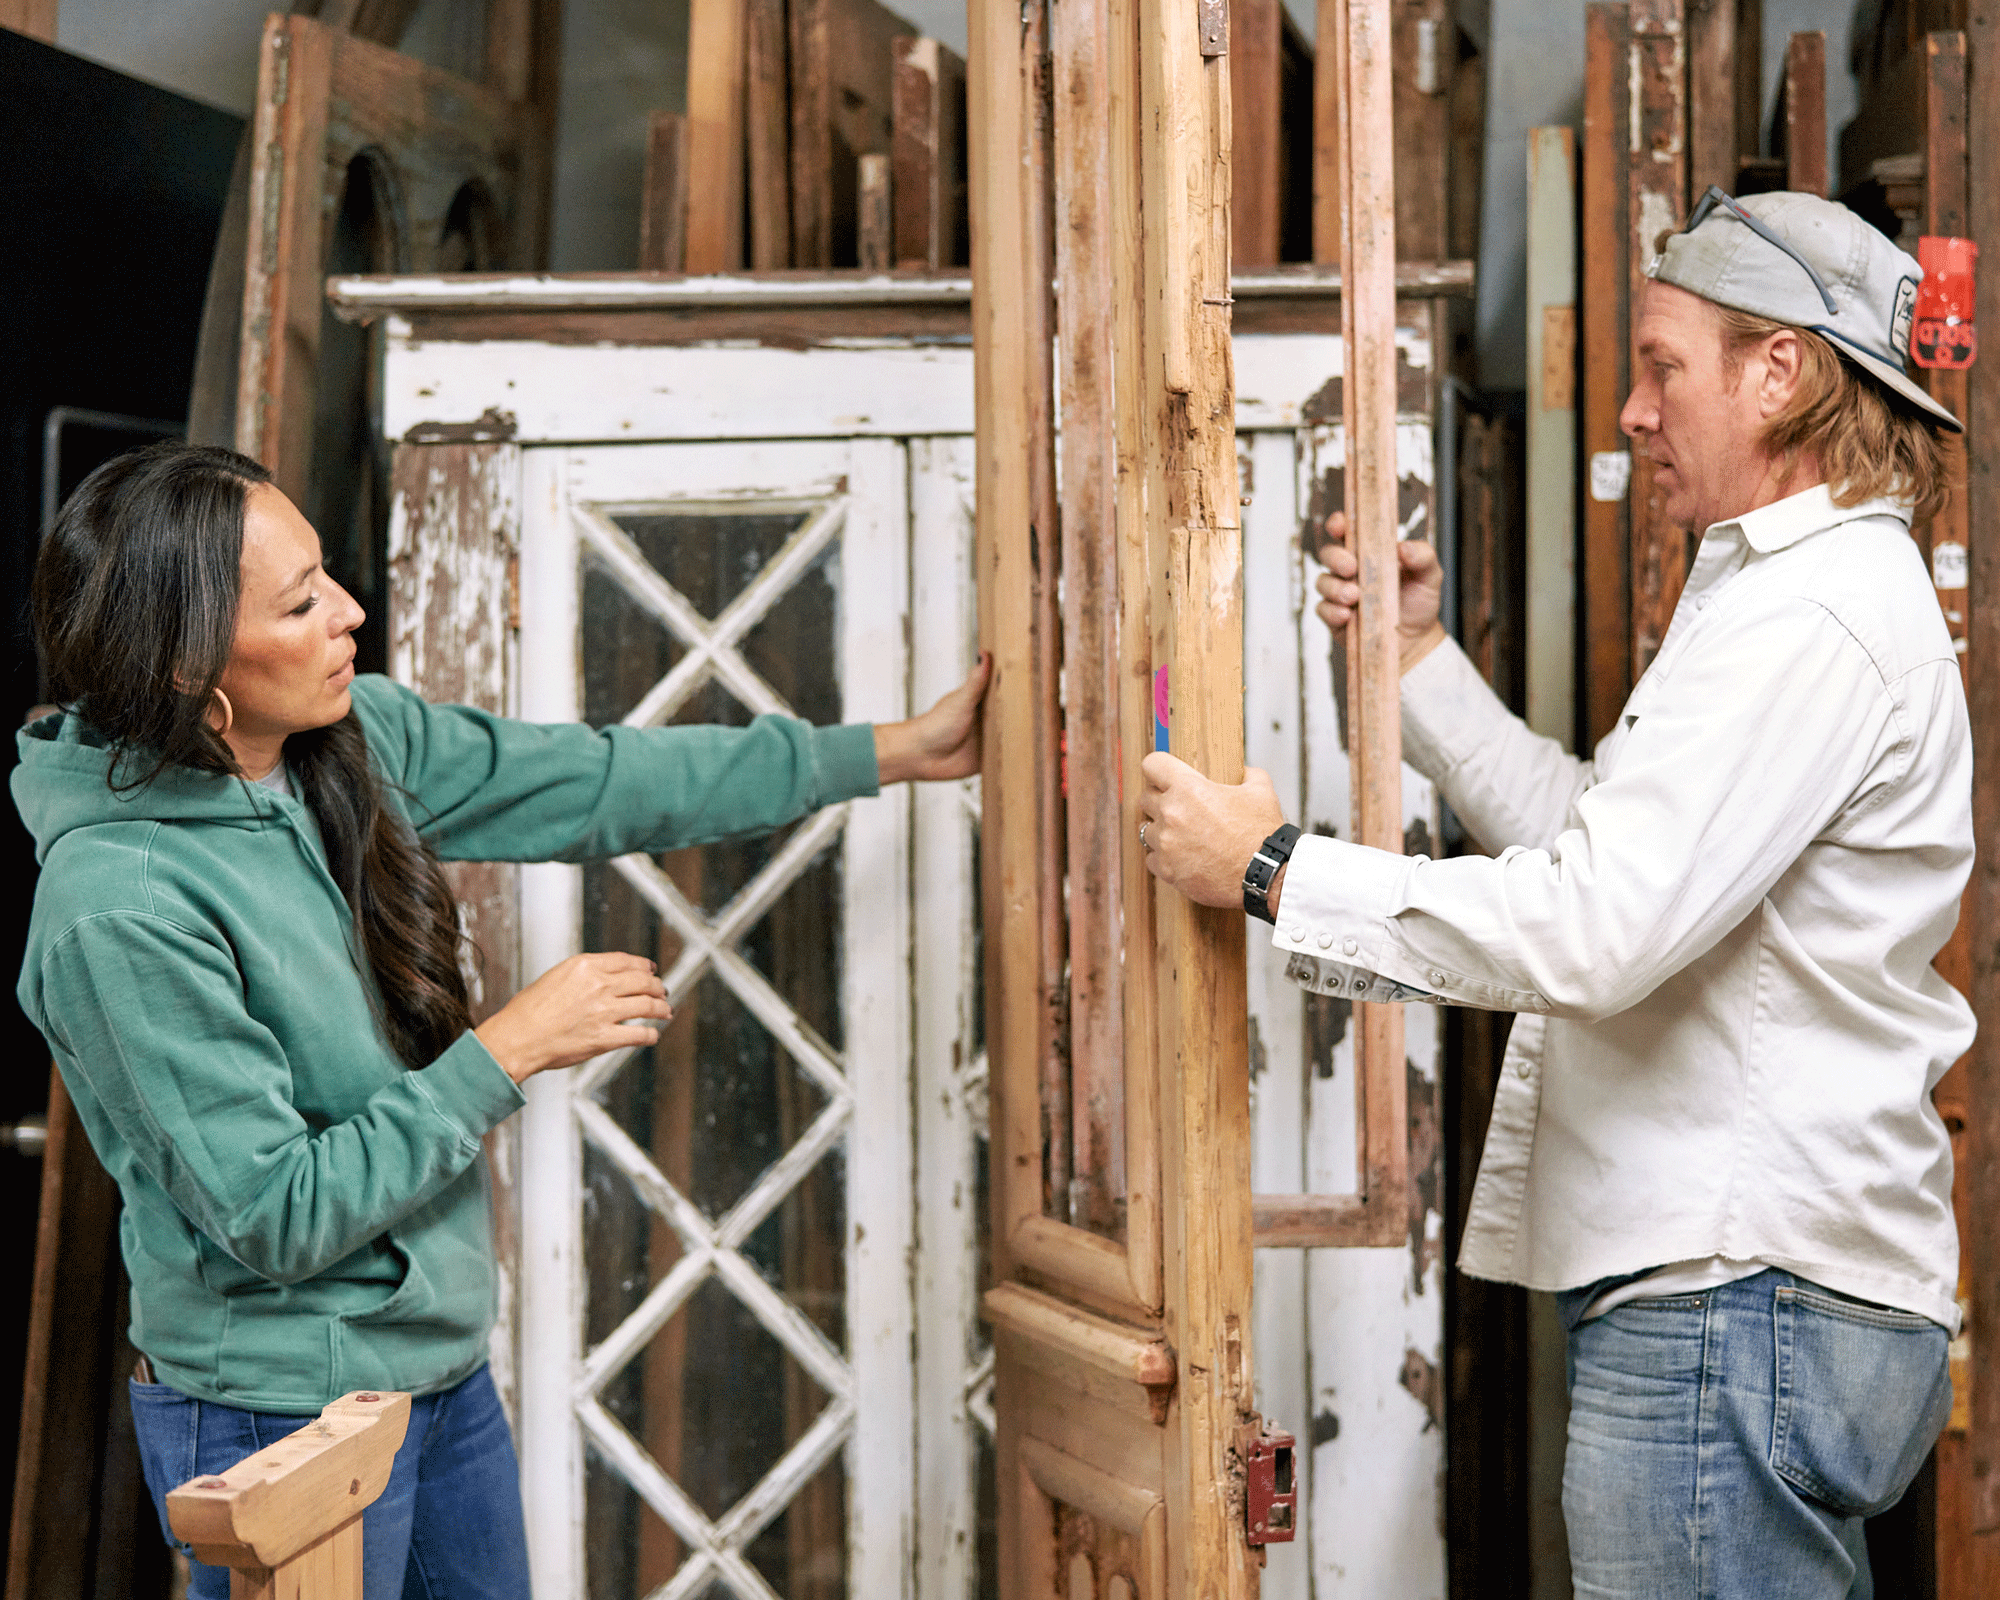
1271 1485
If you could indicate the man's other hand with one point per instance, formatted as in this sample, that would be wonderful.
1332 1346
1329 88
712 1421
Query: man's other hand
1418 631
1200 835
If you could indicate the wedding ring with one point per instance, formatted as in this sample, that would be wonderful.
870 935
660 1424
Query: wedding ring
1142 834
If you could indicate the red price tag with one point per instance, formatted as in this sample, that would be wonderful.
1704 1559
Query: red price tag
1942 333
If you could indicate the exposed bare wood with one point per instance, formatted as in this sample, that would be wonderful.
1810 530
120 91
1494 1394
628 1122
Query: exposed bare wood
877 223
1982 418
1606 338
716 50
1805 113
767 95
273 1507
35 18
1658 170
1092 666
663 197
1142 1358
1256 104
510 47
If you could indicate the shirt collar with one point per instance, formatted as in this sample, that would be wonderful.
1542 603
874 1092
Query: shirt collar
1785 522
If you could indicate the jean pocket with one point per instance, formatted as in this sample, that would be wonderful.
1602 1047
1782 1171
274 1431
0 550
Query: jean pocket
1862 1392
167 1426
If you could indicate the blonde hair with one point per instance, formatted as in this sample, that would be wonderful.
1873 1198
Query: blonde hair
1867 445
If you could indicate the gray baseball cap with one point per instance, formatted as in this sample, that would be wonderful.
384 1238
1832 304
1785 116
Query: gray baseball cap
1812 263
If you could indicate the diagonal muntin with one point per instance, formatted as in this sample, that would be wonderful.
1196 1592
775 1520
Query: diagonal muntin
748 984
706 1245
786 1323
699 937
711 645
740 616
791 1473
621 558
637 1467
631 1336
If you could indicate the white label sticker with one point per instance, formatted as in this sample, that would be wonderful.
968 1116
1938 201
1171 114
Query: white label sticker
1610 474
1948 565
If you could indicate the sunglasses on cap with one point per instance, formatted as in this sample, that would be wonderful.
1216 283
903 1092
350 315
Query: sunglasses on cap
1715 198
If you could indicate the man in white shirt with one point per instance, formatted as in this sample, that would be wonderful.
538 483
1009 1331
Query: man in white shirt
1714 1134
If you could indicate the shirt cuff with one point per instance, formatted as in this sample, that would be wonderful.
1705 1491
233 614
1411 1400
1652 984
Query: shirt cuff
1337 900
844 762
469 1088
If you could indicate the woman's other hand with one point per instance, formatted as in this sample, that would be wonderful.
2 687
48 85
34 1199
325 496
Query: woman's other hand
1419 595
579 1008
943 742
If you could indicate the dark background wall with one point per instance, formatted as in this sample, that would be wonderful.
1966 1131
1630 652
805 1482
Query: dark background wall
110 193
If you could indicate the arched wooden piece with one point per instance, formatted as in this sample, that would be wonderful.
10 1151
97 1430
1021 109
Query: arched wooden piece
294 1501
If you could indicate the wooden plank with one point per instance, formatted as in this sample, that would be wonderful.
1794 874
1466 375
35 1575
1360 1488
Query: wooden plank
716 50
1368 318
1425 47
1606 344
1982 454
927 181
1552 366
663 197
1721 42
1945 205
1658 174
1326 154
1805 113
511 27
767 113
1256 105
877 224
1093 670
35 18
842 97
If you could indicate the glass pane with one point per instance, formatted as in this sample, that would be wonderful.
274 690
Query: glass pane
790 947
793 647
803 1553
987 1531
710 554
626 1248
628 1550
626 649
723 1400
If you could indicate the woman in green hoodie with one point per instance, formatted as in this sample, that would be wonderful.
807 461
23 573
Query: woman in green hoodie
246 960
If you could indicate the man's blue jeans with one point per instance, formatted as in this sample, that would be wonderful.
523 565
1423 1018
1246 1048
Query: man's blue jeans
448 1527
1726 1445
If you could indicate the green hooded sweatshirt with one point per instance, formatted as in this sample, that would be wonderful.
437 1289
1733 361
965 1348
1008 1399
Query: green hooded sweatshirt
303 1215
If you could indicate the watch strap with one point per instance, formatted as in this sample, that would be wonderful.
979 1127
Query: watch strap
1264 867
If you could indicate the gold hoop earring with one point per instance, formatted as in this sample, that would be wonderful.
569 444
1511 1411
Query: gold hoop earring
228 715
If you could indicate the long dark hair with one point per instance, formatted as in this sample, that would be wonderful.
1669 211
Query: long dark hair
136 595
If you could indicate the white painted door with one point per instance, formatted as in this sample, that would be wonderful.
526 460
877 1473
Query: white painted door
733 1243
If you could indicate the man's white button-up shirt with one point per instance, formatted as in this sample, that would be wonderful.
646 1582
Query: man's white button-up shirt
1720 930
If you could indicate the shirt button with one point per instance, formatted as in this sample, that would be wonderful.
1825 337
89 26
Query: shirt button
1523 1067
1360 985
1295 932
1351 946
1436 976
1326 941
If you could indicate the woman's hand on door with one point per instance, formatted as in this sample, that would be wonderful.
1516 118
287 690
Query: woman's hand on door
943 742
579 1008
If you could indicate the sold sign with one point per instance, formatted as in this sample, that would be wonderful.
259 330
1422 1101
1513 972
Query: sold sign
1942 333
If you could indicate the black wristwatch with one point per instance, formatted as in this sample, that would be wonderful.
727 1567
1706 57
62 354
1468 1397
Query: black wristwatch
1271 855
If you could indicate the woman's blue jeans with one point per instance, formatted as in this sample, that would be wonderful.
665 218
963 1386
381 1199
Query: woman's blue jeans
448 1527
1726 1445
